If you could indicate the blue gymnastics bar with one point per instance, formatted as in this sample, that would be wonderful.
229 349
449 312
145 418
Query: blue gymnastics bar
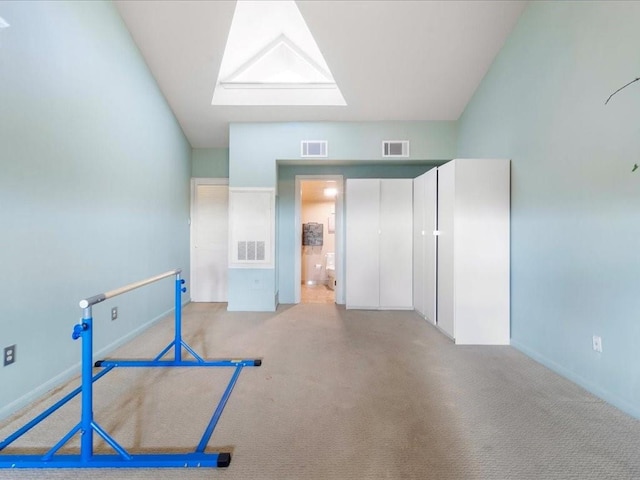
87 425
177 344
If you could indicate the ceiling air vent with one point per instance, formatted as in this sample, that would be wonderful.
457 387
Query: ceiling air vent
395 148
313 148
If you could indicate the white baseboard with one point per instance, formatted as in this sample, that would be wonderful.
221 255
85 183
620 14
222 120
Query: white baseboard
74 370
607 396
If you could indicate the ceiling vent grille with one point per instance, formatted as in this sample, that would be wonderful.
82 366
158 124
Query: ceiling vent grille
395 148
314 148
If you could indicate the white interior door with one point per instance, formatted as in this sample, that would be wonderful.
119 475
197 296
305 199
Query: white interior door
446 210
419 232
362 238
396 243
209 242
430 245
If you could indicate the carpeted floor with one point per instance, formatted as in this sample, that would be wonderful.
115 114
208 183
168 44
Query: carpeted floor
345 395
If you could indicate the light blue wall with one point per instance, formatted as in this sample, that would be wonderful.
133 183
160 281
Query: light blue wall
94 187
210 162
575 203
255 148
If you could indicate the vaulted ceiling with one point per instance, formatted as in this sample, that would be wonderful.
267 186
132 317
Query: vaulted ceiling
392 60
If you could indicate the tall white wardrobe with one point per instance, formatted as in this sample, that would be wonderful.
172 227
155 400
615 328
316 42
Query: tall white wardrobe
425 223
471 241
438 244
379 255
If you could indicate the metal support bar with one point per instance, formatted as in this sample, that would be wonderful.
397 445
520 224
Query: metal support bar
177 341
251 362
191 351
169 460
107 438
87 425
49 455
216 415
18 433
86 419
177 344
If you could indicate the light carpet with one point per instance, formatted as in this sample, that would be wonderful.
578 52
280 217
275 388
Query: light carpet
344 394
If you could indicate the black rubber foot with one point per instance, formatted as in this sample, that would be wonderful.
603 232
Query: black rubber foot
224 459
257 363
98 363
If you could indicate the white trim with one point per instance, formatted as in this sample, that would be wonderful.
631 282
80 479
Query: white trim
339 233
574 377
269 261
268 50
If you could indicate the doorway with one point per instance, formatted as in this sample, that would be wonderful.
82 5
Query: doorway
318 255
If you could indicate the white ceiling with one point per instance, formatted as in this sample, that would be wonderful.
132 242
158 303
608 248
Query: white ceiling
393 60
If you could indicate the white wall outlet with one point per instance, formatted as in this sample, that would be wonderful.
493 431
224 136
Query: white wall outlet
114 313
597 343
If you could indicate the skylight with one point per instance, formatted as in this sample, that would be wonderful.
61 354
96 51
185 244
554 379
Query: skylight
271 58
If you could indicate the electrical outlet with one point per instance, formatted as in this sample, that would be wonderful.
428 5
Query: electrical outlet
597 343
9 355
114 313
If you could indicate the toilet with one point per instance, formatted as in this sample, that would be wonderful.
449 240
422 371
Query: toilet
330 268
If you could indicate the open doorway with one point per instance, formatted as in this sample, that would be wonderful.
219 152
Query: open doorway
319 240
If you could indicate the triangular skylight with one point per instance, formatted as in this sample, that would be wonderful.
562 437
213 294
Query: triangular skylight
271 58
281 62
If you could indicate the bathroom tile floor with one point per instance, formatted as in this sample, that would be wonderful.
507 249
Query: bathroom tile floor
316 294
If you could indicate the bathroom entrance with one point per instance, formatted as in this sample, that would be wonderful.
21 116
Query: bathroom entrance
318 198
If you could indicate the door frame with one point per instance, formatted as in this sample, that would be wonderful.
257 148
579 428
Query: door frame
339 233
196 181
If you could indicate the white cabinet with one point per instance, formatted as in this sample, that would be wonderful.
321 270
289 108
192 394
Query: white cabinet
379 251
425 197
473 251
396 230
362 199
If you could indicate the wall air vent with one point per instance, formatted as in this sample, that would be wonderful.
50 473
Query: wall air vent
395 148
314 148
251 250
251 227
